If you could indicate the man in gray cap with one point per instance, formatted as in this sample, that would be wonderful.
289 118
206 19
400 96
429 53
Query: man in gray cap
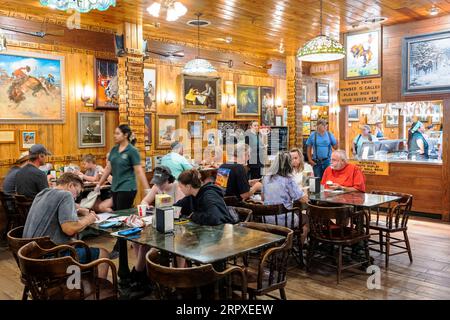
175 161
30 180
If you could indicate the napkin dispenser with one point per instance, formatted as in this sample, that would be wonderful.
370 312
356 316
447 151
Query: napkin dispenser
314 184
164 219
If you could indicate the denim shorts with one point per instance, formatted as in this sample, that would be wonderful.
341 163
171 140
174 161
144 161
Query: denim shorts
82 254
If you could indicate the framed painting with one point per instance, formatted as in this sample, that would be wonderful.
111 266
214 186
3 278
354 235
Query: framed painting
304 93
201 94
306 128
268 108
211 138
436 119
247 100
106 84
150 90
322 92
27 139
148 129
31 88
353 114
195 129
391 121
278 121
166 126
7 136
91 129
363 54
425 66
313 125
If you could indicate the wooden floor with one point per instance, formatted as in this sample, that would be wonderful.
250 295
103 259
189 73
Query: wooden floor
428 277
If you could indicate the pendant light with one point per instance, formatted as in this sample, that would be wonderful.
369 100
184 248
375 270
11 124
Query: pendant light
321 48
197 66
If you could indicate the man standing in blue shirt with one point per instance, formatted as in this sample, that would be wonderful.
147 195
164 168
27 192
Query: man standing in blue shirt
319 146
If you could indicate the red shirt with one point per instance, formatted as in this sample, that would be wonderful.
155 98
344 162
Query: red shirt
349 176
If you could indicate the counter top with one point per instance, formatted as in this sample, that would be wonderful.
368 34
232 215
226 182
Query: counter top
406 161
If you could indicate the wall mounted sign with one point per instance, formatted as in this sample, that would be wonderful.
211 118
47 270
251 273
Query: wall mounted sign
360 91
372 167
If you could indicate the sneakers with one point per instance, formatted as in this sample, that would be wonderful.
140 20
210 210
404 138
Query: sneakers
139 286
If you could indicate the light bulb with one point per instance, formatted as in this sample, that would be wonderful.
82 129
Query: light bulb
180 9
154 8
171 14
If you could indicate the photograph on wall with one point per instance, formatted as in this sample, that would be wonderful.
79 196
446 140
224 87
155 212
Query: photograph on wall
375 115
195 129
107 84
91 129
148 129
353 114
31 88
166 127
425 64
313 125
391 121
322 92
268 108
247 100
363 54
201 94
232 131
27 139
148 164
150 89
211 139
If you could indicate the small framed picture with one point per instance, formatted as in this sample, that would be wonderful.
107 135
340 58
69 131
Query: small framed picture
278 121
313 125
391 121
7 136
149 89
91 129
27 139
148 164
435 119
353 114
195 129
148 129
211 139
166 126
304 93
306 128
322 92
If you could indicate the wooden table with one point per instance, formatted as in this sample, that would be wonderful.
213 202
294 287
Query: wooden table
203 244
357 199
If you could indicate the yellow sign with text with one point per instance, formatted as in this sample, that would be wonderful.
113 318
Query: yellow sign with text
359 91
374 168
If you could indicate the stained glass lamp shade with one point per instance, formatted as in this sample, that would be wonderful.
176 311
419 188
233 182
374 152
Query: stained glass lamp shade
82 6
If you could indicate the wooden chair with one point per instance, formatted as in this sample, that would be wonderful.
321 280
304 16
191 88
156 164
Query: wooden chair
337 226
14 219
269 272
245 215
16 241
191 282
261 212
23 205
48 278
395 221
232 201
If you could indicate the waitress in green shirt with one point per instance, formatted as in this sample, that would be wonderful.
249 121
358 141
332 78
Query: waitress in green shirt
124 164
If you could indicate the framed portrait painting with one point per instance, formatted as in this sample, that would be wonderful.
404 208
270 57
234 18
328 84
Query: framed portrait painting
106 84
148 129
425 66
149 89
363 54
166 126
201 94
247 100
91 129
322 92
268 108
27 139
31 88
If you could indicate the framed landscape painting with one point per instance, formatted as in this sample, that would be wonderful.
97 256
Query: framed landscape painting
91 129
353 114
201 94
150 89
247 100
195 129
425 64
107 84
31 88
363 54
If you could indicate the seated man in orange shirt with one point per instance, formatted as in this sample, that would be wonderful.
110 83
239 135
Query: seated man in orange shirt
343 175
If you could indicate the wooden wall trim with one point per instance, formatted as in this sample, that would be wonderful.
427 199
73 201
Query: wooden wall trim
446 160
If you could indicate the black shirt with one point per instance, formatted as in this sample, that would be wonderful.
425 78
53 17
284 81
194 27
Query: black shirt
233 178
9 184
30 181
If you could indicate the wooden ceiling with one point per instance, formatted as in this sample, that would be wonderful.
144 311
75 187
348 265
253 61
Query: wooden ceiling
256 26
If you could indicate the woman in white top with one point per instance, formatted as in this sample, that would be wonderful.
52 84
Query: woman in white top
301 170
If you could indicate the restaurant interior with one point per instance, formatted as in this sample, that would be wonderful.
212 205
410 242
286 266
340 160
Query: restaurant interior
227 149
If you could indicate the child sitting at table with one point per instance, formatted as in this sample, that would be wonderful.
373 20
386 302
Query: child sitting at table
92 170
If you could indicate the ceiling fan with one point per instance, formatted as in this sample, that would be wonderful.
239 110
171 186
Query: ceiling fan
174 54
228 62
39 34
266 67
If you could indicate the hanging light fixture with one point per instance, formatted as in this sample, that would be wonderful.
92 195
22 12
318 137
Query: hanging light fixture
174 9
321 48
82 6
198 66
2 41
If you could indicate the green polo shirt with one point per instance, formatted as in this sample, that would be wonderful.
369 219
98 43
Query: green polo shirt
122 165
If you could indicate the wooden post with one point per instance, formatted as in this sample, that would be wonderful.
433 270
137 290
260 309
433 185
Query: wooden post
294 101
445 161
343 130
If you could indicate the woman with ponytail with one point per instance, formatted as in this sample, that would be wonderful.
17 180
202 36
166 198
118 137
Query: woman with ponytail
205 202
124 163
